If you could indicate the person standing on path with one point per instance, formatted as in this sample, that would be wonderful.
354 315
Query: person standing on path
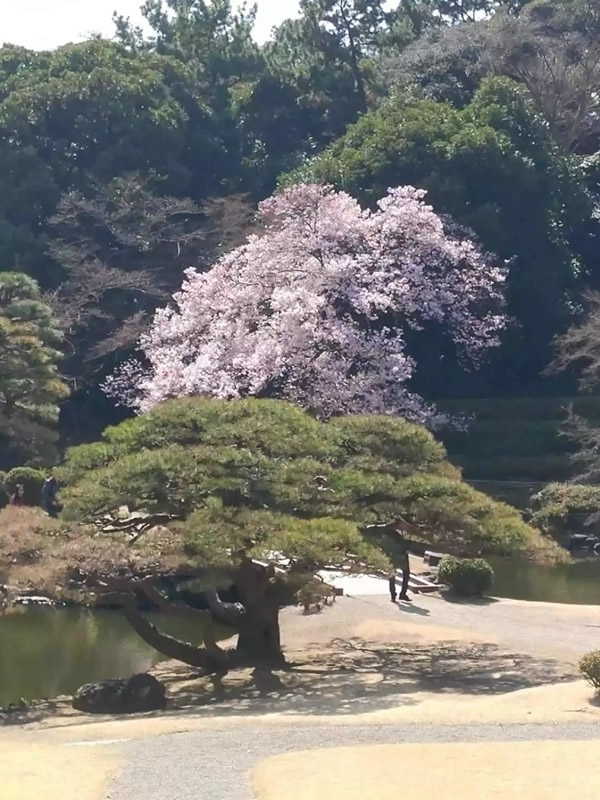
405 567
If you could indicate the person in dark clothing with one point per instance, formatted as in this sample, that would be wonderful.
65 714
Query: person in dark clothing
49 503
405 567
392 584
18 498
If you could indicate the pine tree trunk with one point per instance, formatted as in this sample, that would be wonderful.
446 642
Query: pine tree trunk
210 659
259 636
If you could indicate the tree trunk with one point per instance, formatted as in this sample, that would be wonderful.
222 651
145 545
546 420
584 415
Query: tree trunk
259 637
210 658
355 64
168 645
256 620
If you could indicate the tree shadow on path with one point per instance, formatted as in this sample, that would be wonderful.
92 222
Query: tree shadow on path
356 676
343 677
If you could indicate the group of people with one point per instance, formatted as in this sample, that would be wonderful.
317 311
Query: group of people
50 503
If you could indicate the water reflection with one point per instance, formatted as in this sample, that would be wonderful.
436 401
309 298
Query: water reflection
571 583
46 652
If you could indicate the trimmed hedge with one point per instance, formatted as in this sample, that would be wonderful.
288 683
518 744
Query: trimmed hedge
503 438
514 438
467 577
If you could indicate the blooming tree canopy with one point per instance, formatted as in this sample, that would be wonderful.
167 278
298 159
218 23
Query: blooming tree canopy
315 308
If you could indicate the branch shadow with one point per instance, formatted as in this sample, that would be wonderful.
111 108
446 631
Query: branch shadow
355 676
456 599
351 676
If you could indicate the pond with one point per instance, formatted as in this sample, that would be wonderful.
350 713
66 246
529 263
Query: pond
571 583
45 652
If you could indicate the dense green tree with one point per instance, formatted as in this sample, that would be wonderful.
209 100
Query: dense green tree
551 48
97 108
446 65
94 109
262 496
208 35
215 44
495 168
74 123
30 384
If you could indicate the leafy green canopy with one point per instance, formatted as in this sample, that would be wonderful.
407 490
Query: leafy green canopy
263 477
30 384
495 169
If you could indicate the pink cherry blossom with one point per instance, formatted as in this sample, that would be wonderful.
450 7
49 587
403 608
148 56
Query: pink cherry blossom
314 310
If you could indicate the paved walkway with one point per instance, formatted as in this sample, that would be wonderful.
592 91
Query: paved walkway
216 763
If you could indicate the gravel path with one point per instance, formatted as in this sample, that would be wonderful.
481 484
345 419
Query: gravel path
552 630
215 764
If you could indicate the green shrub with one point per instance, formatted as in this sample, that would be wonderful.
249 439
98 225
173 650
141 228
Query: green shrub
565 507
32 480
314 595
466 576
589 666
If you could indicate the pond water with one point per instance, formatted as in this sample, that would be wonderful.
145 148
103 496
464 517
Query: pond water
571 583
45 652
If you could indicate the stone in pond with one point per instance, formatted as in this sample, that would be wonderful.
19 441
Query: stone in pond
129 696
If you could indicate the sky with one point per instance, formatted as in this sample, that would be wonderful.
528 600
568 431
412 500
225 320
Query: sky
45 24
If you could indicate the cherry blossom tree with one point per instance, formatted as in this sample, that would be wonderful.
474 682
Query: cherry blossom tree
315 309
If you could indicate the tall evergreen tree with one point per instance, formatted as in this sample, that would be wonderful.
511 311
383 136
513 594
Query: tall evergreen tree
30 384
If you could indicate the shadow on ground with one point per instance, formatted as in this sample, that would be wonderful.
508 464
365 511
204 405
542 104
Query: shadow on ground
355 676
456 599
351 676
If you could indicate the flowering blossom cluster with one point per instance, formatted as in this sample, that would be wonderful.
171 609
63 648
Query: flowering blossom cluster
315 308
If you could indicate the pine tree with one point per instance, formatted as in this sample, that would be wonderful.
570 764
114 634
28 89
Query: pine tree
30 383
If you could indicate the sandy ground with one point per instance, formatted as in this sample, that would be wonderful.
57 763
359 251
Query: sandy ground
364 660
496 771
34 770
